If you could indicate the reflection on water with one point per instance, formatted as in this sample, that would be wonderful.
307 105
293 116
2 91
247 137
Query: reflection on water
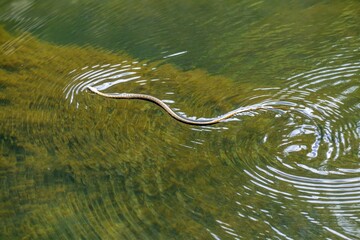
76 165
100 76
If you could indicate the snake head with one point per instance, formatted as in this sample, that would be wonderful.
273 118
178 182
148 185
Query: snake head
92 89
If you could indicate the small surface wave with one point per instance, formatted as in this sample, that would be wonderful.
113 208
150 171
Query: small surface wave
318 139
102 76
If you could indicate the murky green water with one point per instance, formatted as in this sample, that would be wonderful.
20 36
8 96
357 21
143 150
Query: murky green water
74 165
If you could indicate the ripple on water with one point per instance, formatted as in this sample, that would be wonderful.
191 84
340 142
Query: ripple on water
316 140
102 76
322 125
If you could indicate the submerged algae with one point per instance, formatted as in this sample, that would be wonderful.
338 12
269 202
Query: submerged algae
58 161
125 169
115 169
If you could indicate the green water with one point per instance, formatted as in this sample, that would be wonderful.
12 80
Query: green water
74 165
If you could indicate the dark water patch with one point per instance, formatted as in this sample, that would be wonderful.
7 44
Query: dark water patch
10 68
251 34
4 102
2 86
63 175
10 148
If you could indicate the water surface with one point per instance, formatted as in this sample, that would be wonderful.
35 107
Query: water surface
74 165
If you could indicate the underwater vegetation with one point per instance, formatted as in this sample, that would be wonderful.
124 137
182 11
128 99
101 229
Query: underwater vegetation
78 166
53 153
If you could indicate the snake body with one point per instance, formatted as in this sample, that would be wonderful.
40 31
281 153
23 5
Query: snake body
170 111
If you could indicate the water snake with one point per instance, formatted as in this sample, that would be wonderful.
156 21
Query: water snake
172 113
